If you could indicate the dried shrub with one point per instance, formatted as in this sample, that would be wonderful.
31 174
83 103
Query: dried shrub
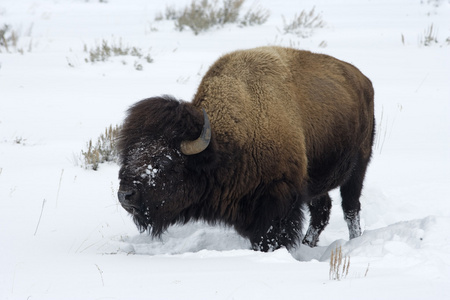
203 15
103 52
256 16
429 37
103 151
171 13
8 38
304 24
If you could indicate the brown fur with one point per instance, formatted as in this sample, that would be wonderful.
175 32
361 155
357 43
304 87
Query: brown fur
287 126
284 108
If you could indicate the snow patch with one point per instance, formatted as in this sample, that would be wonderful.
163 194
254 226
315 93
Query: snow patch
86 241
150 172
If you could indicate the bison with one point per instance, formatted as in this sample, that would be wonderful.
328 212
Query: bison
269 131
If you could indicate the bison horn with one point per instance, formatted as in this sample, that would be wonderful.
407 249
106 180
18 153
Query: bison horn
200 144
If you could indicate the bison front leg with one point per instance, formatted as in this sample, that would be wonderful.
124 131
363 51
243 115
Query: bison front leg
319 209
283 233
267 241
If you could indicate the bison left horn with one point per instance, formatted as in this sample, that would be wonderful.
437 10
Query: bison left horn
200 144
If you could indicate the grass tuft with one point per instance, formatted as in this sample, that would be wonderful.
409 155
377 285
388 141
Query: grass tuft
255 16
303 24
103 151
106 50
8 38
202 15
429 36
339 265
20 140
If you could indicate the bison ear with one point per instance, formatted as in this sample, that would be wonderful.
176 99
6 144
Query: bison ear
201 143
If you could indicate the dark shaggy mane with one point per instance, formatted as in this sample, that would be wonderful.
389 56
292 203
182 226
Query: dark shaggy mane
159 117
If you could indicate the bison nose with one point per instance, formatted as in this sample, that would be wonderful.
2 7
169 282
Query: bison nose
124 197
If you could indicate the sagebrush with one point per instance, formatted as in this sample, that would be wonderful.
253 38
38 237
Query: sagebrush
303 24
106 49
255 16
8 38
203 15
104 150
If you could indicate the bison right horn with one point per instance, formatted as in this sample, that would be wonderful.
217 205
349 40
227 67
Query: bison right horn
200 144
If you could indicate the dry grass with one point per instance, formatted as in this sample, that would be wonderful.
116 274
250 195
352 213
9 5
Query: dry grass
8 38
303 24
100 271
202 15
429 36
106 50
385 124
339 265
103 151
255 16
40 217
59 186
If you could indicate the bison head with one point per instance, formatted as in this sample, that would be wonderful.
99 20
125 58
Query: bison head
162 147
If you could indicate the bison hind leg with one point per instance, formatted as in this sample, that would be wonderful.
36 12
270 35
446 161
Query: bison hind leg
351 192
353 223
319 209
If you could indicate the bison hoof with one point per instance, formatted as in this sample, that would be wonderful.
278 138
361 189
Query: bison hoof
355 233
312 237
353 223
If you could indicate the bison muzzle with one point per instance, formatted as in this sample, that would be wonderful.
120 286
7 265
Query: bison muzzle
269 131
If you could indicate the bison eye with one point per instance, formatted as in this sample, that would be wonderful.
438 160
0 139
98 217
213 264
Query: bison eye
164 161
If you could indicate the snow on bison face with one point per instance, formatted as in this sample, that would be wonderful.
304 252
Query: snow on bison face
151 184
154 179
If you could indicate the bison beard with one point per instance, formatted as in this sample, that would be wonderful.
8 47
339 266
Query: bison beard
270 130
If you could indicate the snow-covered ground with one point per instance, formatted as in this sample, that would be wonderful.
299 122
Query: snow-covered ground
63 234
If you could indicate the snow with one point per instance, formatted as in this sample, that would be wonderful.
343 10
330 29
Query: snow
63 234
